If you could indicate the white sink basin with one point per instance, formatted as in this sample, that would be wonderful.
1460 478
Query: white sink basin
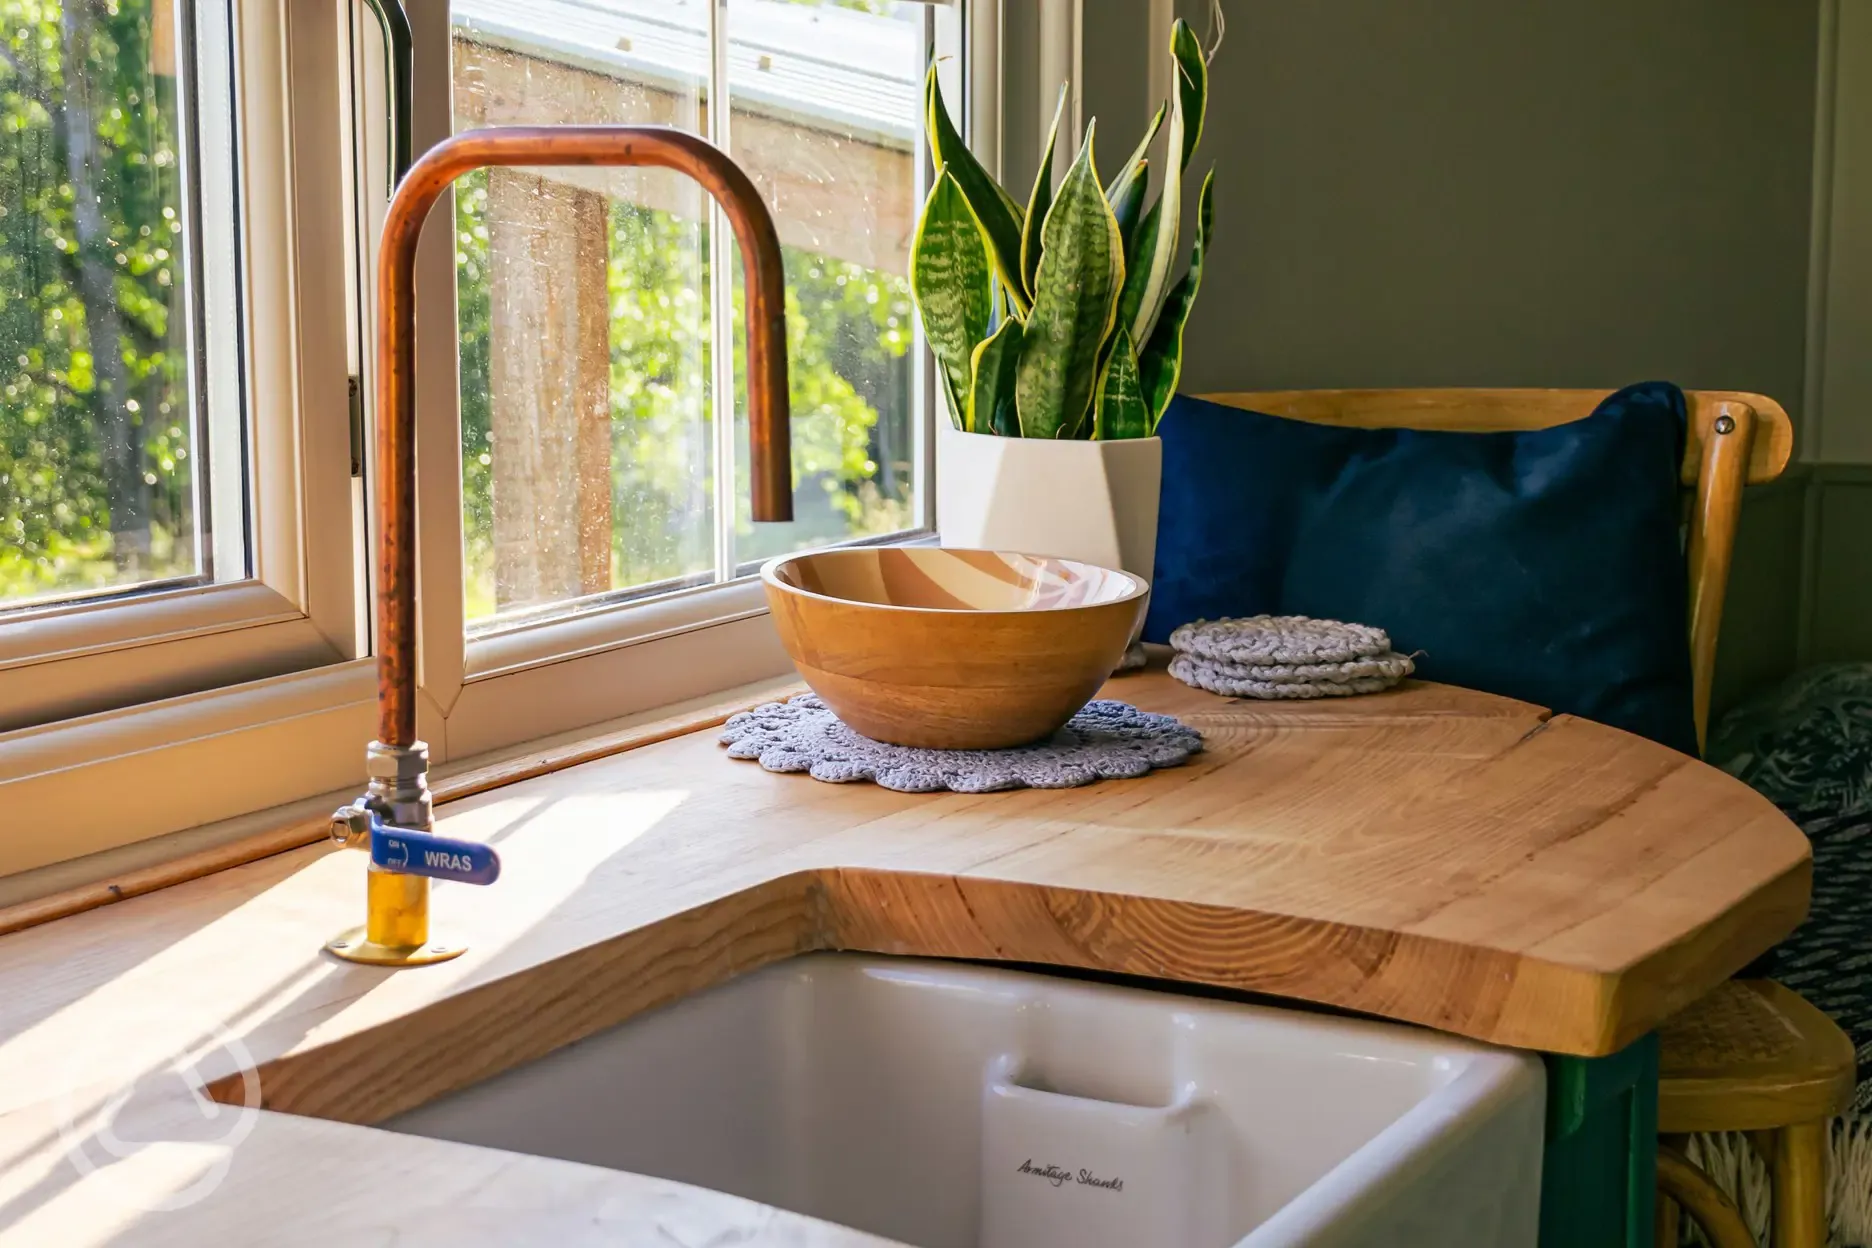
953 1106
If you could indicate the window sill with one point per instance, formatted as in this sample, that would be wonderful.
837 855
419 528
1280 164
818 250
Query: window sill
568 637
215 769
40 895
210 757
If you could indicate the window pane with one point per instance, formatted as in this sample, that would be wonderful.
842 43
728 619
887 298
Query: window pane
103 466
589 324
824 101
584 313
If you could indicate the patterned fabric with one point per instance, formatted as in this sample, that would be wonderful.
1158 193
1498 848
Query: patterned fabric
1807 747
1828 959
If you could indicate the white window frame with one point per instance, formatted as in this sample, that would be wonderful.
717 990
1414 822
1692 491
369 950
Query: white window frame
128 786
95 693
78 656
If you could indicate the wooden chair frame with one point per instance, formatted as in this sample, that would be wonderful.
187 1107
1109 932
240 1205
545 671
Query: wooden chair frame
1734 440
1784 1099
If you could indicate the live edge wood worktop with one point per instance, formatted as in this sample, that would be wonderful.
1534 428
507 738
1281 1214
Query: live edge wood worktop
1431 855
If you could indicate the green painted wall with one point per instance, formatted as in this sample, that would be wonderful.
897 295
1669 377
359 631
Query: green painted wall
1551 193
1761 628
1839 624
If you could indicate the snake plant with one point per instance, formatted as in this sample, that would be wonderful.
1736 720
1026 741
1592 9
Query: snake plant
1058 318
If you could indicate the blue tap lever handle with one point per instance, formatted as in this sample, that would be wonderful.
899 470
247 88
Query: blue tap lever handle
439 857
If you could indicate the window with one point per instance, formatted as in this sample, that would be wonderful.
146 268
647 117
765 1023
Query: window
147 278
598 312
596 364
177 517
104 289
184 492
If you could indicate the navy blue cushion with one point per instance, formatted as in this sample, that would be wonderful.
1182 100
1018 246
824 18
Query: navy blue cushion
1545 565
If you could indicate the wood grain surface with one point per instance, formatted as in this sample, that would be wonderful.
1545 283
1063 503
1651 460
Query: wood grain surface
1429 854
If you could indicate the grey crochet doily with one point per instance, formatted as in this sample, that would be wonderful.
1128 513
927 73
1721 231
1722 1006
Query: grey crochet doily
1284 639
1324 681
1105 741
1285 656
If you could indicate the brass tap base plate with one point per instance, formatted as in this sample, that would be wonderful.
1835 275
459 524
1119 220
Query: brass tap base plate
353 947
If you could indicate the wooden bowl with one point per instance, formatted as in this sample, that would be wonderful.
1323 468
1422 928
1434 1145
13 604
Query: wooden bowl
952 649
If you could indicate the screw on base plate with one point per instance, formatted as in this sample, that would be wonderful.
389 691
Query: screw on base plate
353 947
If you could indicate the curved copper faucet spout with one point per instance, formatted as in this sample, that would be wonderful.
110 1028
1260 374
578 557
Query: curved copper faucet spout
771 469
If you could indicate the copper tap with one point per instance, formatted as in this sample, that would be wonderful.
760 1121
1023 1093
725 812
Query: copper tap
396 333
398 764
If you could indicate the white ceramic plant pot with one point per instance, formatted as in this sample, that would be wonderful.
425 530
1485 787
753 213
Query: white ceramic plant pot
1091 501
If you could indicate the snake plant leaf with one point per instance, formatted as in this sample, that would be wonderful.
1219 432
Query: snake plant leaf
1120 406
958 412
1039 202
1075 305
1192 84
1186 121
1131 172
992 407
1138 249
999 215
1160 364
1128 207
949 281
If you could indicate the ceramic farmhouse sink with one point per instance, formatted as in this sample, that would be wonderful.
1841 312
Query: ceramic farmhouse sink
955 1106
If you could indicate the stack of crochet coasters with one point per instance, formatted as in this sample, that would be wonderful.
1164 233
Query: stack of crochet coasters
1285 656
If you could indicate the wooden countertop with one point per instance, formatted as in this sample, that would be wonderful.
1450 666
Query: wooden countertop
1430 854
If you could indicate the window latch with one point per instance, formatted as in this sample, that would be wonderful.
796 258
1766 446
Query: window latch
354 394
